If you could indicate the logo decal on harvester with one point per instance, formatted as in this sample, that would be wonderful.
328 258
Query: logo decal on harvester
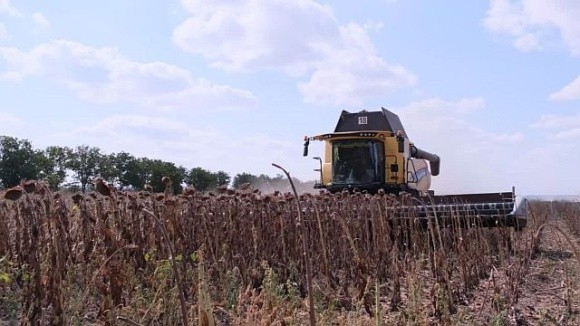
362 120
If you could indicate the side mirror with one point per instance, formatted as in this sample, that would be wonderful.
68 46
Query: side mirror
306 143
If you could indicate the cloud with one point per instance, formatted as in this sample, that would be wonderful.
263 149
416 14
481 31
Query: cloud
570 134
561 127
350 74
241 35
547 168
103 75
568 92
557 154
10 119
473 159
509 138
3 32
447 123
40 20
6 7
121 126
532 24
553 121
12 125
459 107
301 38
159 137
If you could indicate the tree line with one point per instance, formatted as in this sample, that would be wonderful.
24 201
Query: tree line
75 169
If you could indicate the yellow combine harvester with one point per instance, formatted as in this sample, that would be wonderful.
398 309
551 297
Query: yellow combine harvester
370 151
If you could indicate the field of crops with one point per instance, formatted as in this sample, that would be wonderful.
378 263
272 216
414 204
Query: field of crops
236 258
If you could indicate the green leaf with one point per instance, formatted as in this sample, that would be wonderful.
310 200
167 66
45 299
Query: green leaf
4 277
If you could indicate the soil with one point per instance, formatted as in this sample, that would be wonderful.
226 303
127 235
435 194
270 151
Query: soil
549 291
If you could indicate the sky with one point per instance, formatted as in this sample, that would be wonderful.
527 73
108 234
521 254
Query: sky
492 87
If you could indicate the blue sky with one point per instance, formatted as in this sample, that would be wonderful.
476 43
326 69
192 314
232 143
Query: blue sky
492 87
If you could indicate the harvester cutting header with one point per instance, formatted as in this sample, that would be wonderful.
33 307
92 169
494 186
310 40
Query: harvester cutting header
370 151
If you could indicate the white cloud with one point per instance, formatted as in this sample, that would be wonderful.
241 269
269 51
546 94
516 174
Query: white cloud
560 154
517 137
159 137
37 18
103 75
6 7
119 126
337 83
11 125
570 134
533 23
240 35
546 168
568 92
8 119
40 20
3 32
561 127
467 105
459 107
472 158
302 38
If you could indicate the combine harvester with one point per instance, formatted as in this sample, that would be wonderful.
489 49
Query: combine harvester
370 151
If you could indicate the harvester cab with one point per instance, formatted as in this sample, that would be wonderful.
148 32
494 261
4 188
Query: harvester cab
370 150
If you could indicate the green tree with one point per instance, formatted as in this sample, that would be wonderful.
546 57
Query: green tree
268 184
131 172
204 180
222 178
85 162
201 179
18 161
53 164
242 178
158 169
107 169
139 172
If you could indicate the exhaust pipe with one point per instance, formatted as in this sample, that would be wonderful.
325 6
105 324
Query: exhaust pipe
434 160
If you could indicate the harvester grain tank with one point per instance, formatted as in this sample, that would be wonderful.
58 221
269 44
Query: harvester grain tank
370 151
